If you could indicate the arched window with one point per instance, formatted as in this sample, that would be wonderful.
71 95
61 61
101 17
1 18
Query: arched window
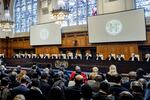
144 4
79 11
25 14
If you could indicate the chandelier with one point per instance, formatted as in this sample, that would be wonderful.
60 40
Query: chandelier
6 23
60 11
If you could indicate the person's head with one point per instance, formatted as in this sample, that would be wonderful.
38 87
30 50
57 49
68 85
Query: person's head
19 97
5 81
46 70
132 75
18 69
125 95
35 83
140 72
98 78
57 77
112 70
78 70
133 55
34 67
13 76
24 80
143 82
79 79
34 75
136 86
86 91
105 86
55 94
44 76
95 69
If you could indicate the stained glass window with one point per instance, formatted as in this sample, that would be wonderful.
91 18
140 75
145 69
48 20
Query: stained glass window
25 14
144 4
79 11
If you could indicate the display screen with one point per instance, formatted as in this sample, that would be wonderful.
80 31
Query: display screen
117 27
45 34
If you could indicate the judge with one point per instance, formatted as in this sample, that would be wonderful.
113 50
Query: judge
99 56
69 55
147 58
133 57
119 58
88 56
110 57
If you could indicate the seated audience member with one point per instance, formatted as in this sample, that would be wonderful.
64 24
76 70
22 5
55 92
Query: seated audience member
86 92
110 57
103 92
35 93
132 77
143 82
119 58
147 58
133 57
56 93
99 56
19 97
112 71
4 90
13 79
116 88
74 92
78 72
44 86
137 90
125 95
95 72
140 73
21 89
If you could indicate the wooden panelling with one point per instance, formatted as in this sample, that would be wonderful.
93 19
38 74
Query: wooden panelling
123 48
68 41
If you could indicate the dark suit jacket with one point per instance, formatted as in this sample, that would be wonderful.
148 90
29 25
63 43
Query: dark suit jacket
44 87
21 89
73 93
100 96
121 59
34 95
110 58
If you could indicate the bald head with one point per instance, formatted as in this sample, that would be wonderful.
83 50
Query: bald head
78 79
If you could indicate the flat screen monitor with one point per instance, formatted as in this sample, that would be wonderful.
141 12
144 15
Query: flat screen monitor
45 34
117 27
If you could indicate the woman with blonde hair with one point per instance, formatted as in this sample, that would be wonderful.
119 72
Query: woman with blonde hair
95 72
112 72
